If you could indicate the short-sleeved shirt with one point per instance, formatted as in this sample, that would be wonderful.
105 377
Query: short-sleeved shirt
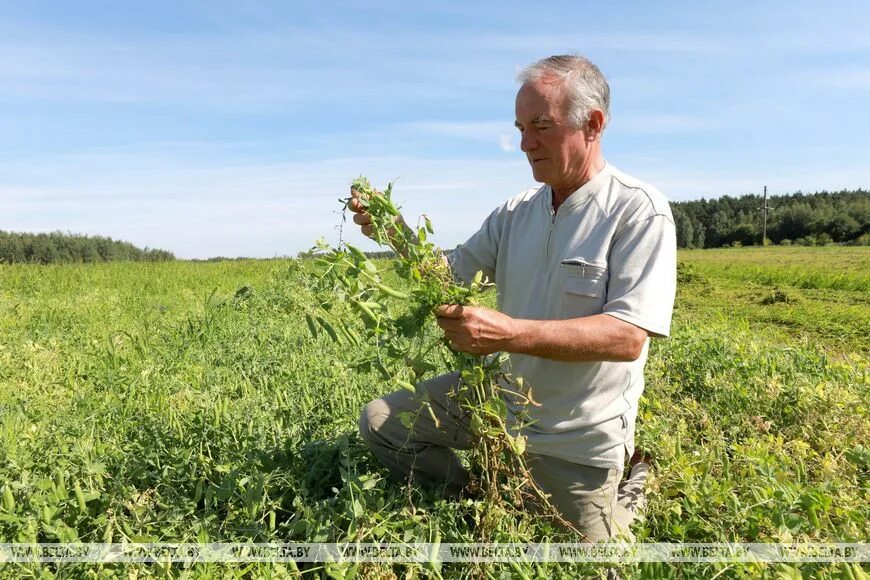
610 248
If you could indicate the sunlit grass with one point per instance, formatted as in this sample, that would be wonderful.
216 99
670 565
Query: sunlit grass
188 402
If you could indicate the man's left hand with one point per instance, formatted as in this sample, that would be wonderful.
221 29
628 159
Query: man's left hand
475 329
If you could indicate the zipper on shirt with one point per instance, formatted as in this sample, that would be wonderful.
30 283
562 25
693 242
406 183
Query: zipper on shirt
552 225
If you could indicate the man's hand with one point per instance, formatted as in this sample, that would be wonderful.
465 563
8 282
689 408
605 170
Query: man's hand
361 216
481 331
363 219
475 329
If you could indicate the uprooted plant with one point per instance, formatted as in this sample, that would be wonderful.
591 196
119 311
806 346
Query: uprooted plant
356 306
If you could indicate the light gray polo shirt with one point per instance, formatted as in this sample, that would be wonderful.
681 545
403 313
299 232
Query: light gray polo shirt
610 248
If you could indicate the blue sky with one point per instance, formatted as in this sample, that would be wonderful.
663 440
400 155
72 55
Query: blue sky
231 128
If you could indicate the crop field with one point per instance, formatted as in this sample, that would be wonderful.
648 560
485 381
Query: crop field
188 402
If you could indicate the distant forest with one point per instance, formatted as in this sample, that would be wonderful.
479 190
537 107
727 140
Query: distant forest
59 247
807 219
816 219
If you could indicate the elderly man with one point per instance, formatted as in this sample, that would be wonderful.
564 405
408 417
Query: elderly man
585 270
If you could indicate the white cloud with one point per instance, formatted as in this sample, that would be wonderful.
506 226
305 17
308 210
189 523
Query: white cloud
228 207
507 143
846 78
482 131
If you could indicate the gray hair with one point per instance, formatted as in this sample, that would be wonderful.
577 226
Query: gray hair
586 87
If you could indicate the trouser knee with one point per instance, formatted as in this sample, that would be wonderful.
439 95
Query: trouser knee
372 419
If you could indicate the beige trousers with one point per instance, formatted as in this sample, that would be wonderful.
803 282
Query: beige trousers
594 499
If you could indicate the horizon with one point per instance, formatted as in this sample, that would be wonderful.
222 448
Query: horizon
380 249
224 130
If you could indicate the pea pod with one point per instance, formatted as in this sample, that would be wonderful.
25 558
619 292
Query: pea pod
365 309
311 325
356 253
405 385
60 486
390 292
379 202
349 334
814 517
328 328
197 493
8 499
80 498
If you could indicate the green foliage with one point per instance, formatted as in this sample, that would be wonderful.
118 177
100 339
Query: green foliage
353 298
65 248
816 219
188 409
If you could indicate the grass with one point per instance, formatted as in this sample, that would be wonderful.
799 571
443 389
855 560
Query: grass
188 402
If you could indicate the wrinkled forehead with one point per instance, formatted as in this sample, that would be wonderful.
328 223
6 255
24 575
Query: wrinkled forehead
544 97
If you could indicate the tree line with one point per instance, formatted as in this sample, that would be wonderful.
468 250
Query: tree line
59 247
806 219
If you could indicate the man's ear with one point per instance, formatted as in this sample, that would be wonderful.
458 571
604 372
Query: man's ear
595 125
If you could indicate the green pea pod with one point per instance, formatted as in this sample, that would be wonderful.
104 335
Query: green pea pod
349 334
311 325
476 424
60 486
328 328
390 292
405 385
380 202
197 494
8 499
356 253
365 309
814 517
272 519
80 498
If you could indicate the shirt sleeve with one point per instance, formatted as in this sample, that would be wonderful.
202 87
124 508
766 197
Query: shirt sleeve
480 252
643 274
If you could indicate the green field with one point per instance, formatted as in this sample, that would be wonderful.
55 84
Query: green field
188 402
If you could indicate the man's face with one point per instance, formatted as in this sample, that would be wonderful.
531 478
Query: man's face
557 152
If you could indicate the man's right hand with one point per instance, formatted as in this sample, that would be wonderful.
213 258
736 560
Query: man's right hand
361 217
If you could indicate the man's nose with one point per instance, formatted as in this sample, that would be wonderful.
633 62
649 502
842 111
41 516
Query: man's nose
528 142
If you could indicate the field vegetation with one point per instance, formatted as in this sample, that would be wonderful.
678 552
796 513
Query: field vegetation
185 401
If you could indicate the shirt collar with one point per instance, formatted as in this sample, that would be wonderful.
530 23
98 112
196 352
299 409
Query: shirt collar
585 191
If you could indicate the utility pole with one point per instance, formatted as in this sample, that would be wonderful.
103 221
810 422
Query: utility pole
764 211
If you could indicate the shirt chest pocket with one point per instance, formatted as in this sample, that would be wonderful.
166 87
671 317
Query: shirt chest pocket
584 288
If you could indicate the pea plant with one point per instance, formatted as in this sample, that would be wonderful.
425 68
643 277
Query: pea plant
357 307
